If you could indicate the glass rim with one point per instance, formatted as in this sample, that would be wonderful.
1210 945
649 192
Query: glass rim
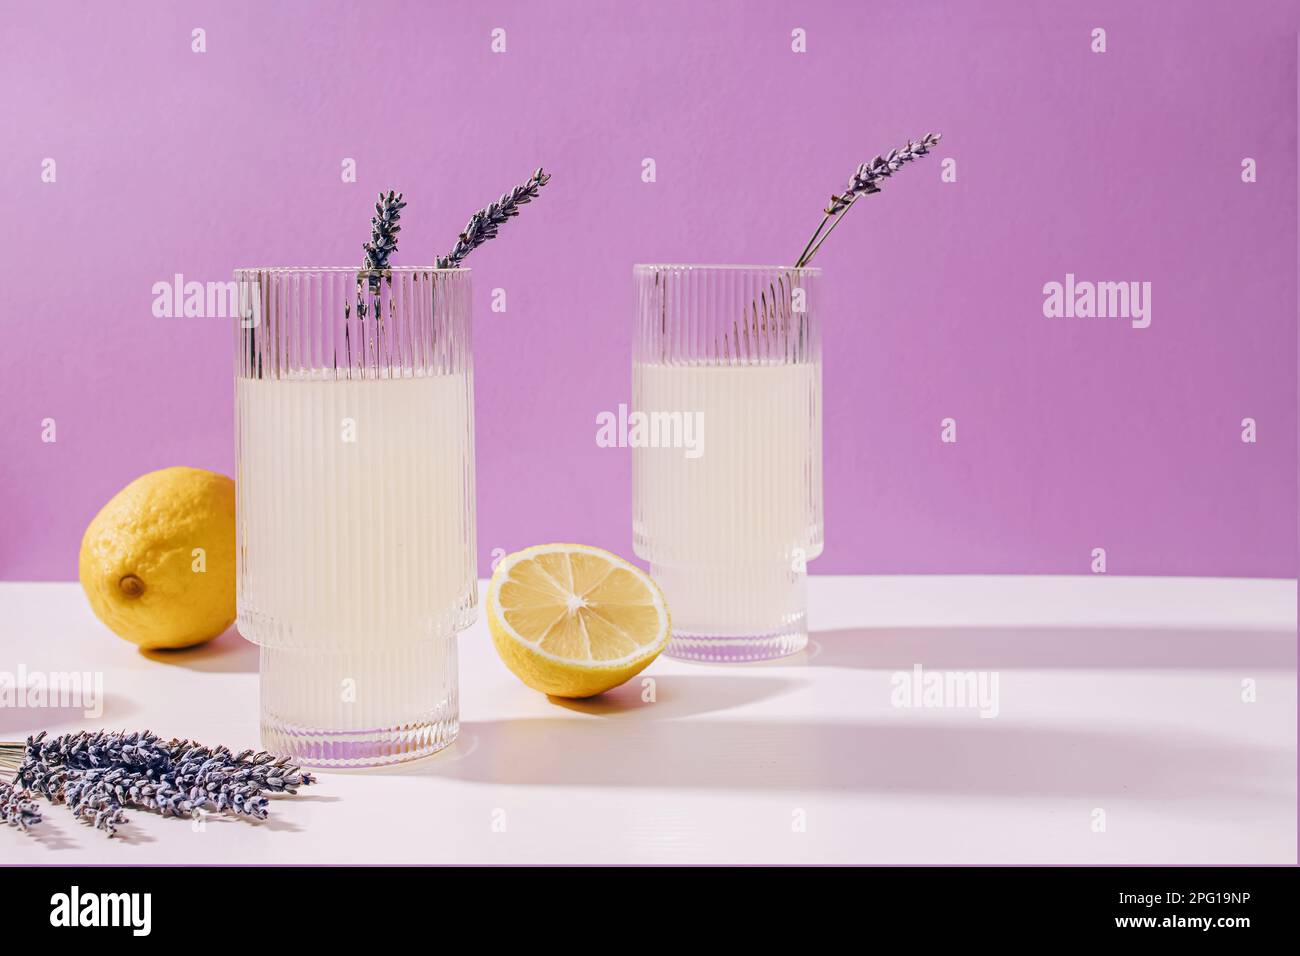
648 267
358 270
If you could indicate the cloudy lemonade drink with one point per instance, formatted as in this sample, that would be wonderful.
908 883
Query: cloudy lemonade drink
729 524
355 506
355 509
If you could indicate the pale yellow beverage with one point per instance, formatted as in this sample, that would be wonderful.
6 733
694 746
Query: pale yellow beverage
355 506
729 525
353 498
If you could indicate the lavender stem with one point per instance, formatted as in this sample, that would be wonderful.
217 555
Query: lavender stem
865 181
483 225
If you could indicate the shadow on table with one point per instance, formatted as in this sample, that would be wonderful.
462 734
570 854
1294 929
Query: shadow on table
228 653
1036 648
680 695
980 757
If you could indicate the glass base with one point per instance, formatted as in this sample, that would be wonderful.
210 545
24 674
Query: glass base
733 649
325 749
363 708
735 614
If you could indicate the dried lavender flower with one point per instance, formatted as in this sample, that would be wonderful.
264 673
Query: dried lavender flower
383 243
483 225
384 230
864 182
100 775
17 808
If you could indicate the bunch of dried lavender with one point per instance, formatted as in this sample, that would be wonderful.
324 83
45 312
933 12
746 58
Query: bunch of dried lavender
865 181
99 775
483 225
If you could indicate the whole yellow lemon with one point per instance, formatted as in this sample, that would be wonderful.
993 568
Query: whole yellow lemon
158 561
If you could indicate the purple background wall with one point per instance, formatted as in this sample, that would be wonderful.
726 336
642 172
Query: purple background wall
1072 434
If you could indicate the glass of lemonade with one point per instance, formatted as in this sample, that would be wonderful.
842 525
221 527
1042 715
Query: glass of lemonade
726 432
354 405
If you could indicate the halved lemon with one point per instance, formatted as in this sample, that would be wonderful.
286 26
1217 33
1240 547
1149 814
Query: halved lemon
574 621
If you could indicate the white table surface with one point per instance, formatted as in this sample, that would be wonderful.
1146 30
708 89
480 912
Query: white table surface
1118 694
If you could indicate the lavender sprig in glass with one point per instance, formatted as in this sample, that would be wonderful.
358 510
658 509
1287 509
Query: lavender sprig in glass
773 309
383 238
483 225
864 182
378 251
384 230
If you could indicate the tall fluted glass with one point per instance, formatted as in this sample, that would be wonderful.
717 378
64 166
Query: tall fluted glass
727 453
354 398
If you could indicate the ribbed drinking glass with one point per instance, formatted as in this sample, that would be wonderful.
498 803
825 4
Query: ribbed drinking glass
354 403
727 453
